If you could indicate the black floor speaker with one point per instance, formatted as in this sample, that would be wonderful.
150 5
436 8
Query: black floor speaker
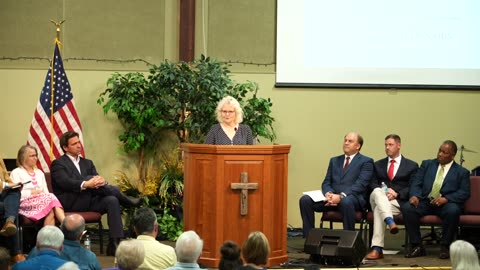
335 247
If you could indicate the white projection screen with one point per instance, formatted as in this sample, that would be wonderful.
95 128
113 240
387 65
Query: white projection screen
429 44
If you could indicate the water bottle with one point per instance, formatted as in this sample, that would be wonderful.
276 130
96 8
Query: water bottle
86 242
384 187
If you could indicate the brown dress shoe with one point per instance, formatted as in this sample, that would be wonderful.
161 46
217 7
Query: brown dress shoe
18 258
374 255
8 229
393 228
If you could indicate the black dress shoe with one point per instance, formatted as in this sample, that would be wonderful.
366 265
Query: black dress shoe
112 247
129 201
416 252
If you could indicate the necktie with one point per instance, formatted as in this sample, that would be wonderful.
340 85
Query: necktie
346 164
391 169
437 184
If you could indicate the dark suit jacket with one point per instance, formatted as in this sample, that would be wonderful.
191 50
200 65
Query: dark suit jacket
354 181
401 180
66 181
455 187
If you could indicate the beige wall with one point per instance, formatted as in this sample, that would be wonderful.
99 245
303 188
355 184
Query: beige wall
313 121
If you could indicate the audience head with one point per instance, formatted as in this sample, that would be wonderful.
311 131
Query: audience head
188 247
446 152
230 256
50 237
73 227
463 256
228 108
4 259
145 221
69 266
352 143
69 146
130 254
256 248
392 145
23 154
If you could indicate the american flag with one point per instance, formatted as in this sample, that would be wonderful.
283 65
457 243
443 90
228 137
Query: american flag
47 127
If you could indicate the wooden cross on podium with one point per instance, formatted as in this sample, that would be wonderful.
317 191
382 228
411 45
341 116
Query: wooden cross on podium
244 186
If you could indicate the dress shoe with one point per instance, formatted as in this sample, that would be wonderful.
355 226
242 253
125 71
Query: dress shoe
393 228
416 252
18 258
112 247
129 201
8 229
444 253
374 255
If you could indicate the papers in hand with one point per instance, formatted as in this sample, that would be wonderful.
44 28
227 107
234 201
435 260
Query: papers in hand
17 185
316 195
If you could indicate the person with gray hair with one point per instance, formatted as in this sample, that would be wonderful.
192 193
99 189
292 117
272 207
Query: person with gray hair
129 255
188 248
228 130
73 228
157 255
49 246
463 256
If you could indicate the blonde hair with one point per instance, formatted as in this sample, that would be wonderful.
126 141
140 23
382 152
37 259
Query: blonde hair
256 248
236 105
22 154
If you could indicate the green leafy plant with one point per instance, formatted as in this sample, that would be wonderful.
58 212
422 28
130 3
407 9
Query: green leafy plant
169 225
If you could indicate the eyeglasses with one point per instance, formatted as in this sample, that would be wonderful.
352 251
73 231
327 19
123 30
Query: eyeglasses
32 155
228 112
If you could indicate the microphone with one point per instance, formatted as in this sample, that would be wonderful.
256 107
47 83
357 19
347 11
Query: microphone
235 129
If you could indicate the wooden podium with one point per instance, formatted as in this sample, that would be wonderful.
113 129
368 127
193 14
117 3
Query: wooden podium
232 190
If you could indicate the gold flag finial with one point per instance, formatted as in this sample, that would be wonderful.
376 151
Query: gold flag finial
57 24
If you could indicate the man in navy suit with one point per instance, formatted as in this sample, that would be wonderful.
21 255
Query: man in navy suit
345 185
79 188
446 201
395 171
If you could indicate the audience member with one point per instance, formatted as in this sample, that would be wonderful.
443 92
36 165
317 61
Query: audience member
49 246
255 251
36 202
129 255
157 255
73 228
188 249
78 186
228 130
463 256
345 185
440 187
9 205
395 171
230 258
4 259
69 266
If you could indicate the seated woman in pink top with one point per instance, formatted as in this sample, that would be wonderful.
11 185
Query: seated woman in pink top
36 201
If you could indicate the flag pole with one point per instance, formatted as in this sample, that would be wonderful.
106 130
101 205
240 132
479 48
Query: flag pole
52 85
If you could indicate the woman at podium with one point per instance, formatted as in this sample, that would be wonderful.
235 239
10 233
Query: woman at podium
229 130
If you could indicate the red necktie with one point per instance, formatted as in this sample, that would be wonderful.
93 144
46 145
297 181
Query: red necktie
346 164
391 169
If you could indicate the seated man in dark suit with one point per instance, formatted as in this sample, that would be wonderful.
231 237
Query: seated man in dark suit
9 205
395 171
440 187
345 185
78 186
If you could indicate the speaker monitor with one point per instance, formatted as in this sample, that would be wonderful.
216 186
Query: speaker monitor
335 247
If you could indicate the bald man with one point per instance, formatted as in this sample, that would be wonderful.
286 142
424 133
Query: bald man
73 227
